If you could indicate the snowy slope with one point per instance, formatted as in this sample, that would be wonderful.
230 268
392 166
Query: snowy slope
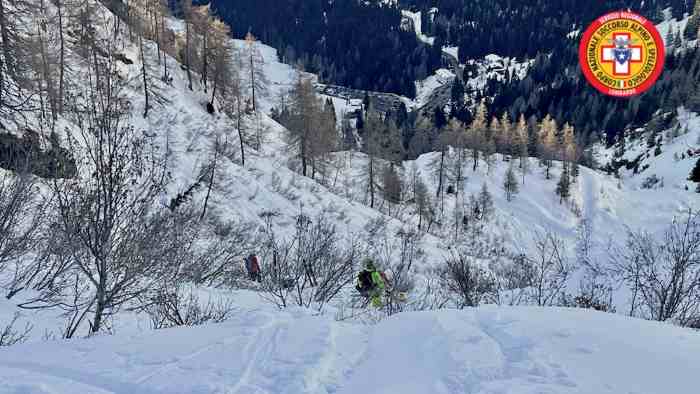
415 18
485 350
241 194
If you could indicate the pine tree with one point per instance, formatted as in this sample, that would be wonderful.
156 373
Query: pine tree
506 139
485 201
258 78
373 128
494 134
677 40
457 93
525 168
477 133
567 147
186 6
521 139
564 187
692 27
439 118
423 203
670 36
510 184
391 182
695 173
547 143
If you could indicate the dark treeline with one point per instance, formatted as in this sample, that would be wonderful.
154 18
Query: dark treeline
346 42
556 86
522 28
360 44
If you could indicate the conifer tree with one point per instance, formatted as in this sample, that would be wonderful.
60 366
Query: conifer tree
186 6
521 144
423 203
477 133
510 183
505 144
547 143
258 78
669 39
695 173
485 201
564 187
494 134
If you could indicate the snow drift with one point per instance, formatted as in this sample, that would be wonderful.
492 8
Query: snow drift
484 350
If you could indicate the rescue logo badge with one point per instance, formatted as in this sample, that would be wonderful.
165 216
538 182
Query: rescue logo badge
622 54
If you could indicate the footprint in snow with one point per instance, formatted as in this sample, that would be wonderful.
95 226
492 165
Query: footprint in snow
584 350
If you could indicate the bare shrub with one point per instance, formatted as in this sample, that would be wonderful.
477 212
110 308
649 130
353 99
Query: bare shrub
550 269
180 306
664 274
22 214
10 336
513 278
396 252
311 267
467 281
540 278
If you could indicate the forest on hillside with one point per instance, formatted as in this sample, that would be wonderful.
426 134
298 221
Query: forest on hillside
361 45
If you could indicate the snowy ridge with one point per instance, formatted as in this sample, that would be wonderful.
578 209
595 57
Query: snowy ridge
485 350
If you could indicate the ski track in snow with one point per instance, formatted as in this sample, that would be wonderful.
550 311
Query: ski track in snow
488 350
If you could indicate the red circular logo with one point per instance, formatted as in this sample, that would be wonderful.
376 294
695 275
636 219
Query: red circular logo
622 54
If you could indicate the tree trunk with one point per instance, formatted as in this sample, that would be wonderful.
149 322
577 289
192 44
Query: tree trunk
62 64
211 178
204 58
252 77
371 181
143 74
7 51
187 53
440 173
100 301
304 164
213 92
238 126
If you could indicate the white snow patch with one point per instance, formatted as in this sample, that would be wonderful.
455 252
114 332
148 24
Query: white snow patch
484 350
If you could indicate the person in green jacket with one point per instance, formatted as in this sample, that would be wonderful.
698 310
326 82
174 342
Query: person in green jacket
371 283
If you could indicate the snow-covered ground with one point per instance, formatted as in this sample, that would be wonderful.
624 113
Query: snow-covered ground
415 17
494 67
426 87
486 350
675 26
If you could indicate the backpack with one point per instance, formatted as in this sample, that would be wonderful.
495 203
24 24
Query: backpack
254 266
384 278
365 280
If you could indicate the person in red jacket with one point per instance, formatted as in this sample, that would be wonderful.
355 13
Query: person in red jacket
253 266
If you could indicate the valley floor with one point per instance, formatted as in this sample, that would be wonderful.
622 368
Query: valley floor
483 350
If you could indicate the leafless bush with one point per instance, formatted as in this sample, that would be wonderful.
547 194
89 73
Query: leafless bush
208 253
466 280
396 252
540 278
664 275
22 213
177 306
432 296
549 269
311 267
10 336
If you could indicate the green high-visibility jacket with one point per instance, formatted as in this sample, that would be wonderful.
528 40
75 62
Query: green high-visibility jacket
377 280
